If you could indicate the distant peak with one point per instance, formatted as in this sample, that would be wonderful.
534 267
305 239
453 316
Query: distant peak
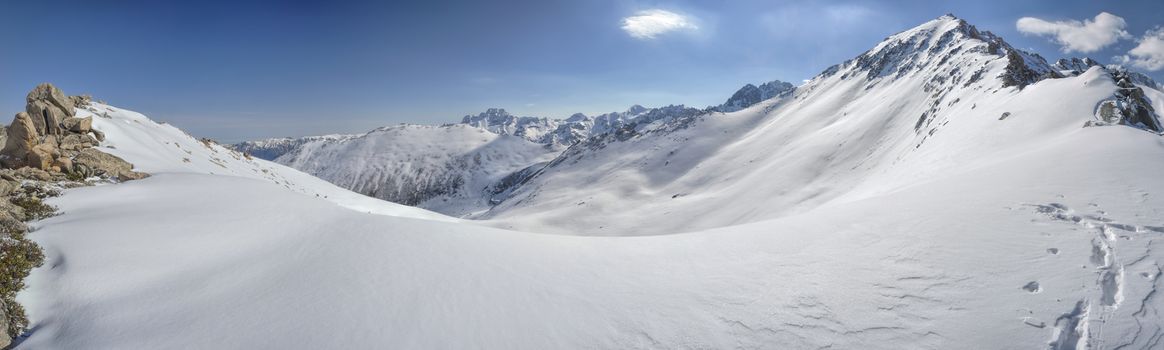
495 111
577 117
750 94
491 116
636 109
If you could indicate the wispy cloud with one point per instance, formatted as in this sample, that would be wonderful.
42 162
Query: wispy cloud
1075 36
1149 53
649 24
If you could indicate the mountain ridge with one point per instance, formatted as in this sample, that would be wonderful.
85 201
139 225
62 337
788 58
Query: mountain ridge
943 59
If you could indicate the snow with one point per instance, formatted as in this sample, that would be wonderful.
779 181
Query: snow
447 168
205 261
834 140
821 219
159 148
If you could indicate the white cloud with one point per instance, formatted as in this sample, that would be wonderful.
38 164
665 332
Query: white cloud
1149 54
1074 36
649 24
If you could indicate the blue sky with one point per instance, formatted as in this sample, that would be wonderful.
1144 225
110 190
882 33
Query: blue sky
235 70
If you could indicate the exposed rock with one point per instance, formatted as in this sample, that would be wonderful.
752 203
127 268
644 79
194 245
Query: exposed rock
48 107
41 157
1129 106
51 94
33 173
1075 65
77 142
22 137
1021 73
8 186
63 164
43 140
100 136
78 125
80 101
107 164
45 117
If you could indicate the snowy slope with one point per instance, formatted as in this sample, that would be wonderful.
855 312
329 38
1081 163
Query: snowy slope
924 104
158 148
183 260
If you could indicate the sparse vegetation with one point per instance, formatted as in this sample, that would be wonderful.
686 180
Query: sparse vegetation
34 208
75 176
18 256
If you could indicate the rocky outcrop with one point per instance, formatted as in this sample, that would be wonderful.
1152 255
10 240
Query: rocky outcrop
105 164
1075 65
1023 69
1129 106
49 136
22 137
48 107
45 149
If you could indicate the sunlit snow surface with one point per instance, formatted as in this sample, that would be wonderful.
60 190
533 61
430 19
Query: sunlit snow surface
1028 232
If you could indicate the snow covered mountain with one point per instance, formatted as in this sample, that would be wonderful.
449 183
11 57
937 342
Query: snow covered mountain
455 169
449 174
750 95
942 190
448 168
272 148
939 99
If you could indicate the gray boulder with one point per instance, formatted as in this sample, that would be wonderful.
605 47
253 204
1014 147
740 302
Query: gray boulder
102 163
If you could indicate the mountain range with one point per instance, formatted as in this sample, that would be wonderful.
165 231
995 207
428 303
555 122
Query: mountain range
925 78
943 189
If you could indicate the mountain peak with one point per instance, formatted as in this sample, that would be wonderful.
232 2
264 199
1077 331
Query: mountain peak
948 17
934 46
749 95
636 109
